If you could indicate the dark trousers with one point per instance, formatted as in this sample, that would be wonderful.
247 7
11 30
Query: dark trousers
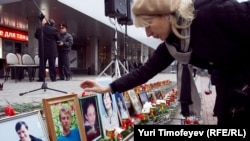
231 107
52 68
64 64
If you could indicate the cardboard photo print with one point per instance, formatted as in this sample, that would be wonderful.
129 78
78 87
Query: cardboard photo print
91 117
108 108
26 126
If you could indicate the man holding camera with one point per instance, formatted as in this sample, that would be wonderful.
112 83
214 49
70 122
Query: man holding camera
64 48
48 38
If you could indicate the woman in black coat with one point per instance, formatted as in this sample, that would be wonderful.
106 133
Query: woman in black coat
209 34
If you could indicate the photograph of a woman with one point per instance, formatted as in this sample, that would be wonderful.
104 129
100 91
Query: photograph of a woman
91 118
108 108
123 112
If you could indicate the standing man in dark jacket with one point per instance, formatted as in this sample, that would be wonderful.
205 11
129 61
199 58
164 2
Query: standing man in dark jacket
63 56
48 37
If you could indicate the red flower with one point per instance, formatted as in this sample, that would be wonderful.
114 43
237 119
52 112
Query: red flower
187 121
196 122
153 102
129 122
84 94
9 111
208 92
139 116
167 102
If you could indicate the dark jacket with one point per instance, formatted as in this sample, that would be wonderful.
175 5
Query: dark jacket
67 40
50 37
33 138
219 40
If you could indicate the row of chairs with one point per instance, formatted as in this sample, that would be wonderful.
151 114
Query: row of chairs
18 63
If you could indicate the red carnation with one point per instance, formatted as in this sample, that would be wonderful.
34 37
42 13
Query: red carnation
9 111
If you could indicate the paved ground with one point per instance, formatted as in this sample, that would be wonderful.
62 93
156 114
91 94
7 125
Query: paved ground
12 90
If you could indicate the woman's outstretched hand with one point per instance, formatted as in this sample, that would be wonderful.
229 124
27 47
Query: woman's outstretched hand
93 86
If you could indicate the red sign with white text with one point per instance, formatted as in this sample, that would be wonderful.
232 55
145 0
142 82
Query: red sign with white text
13 34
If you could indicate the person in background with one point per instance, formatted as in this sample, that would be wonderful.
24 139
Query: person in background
91 123
204 33
23 132
68 134
48 38
64 48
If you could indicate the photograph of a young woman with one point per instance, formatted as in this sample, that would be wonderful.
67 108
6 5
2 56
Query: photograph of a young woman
121 106
110 118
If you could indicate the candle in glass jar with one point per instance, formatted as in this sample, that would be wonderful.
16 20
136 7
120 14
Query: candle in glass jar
124 123
110 132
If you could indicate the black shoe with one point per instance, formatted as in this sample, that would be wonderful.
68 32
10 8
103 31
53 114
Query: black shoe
67 79
53 80
39 80
60 79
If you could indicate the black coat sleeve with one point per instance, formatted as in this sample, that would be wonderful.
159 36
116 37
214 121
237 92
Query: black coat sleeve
233 17
160 60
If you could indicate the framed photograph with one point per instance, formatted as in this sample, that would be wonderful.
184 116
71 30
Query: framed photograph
91 117
26 126
63 117
108 108
135 101
159 95
151 96
143 98
122 108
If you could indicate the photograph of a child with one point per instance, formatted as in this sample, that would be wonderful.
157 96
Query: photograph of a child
90 114
122 109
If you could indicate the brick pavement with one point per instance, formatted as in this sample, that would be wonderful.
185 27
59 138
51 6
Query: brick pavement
11 91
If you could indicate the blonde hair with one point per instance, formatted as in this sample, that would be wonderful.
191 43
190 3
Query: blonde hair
184 12
64 109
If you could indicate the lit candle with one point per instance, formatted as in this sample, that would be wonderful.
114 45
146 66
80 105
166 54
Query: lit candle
124 123
110 132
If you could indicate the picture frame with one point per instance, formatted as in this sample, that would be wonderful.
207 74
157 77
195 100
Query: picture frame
135 101
91 116
60 110
121 105
151 96
107 104
143 98
14 126
159 95
109 121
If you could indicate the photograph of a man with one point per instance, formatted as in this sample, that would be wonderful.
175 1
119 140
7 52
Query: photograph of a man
68 133
23 132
